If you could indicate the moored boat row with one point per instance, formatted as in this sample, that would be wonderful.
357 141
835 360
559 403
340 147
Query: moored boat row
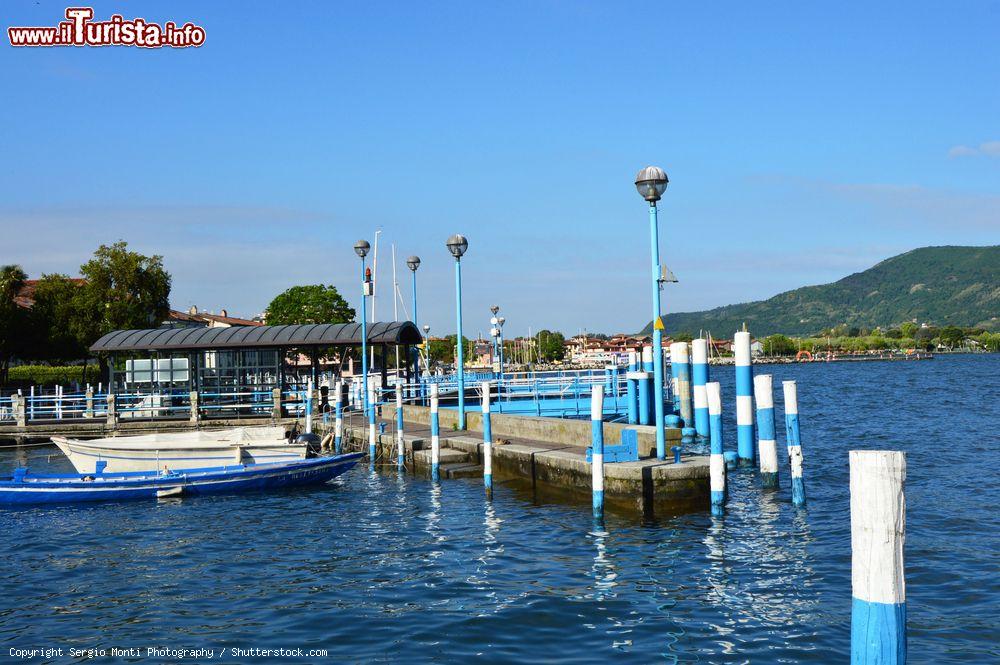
175 465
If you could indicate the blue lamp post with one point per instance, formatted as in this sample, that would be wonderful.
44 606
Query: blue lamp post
361 248
651 183
495 334
457 244
500 321
413 263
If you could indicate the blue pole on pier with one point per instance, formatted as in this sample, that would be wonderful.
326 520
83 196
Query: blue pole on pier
766 437
717 461
487 442
632 390
597 448
680 363
675 393
338 431
651 182
645 387
361 248
414 288
435 435
400 454
661 441
793 441
878 532
372 437
457 245
744 399
699 376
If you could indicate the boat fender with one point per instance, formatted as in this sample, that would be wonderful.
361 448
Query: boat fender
327 442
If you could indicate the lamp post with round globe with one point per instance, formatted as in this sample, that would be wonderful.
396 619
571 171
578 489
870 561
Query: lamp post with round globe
413 263
651 183
457 244
361 248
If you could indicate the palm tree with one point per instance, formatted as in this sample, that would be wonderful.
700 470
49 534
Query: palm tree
12 317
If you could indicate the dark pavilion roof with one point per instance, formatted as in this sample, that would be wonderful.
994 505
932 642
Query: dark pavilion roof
241 337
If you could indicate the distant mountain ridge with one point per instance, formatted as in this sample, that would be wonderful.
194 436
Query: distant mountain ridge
941 286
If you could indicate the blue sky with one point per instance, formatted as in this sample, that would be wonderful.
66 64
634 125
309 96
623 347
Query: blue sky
804 141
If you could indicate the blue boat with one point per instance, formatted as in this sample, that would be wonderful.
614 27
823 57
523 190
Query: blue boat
26 488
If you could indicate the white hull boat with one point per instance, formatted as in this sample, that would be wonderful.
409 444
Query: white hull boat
182 450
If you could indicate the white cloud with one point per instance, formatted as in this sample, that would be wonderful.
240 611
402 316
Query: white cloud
991 148
988 148
962 151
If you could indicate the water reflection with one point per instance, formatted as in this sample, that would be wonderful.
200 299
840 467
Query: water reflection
603 569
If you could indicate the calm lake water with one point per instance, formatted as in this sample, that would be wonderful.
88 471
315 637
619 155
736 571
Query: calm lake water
381 568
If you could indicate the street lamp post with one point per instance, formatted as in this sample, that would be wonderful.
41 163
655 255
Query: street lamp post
361 248
457 244
495 335
413 263
500 322
651 183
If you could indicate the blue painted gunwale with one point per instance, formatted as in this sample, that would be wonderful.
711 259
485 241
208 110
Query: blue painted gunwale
72 488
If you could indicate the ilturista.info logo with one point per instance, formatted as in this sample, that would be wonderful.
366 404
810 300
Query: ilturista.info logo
80 29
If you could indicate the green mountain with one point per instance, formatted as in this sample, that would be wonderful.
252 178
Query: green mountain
938 285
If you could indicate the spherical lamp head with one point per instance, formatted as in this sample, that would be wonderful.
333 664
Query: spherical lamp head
457 244
651 182
413 263
361 248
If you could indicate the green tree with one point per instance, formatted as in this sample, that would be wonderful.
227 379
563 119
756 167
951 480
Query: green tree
682 337
13 318
315 303
908 329
952 336
779 345
551 345
122 290
57 320
990 341
443 350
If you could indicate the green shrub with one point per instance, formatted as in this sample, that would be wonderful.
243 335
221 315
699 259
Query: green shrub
47 375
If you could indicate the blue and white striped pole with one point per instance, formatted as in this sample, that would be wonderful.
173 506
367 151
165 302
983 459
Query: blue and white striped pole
793 441
699 376
435 435
681 359
675 392
487 442
597 449
716 461
372 437
632 389
744 400
766 437
400 454
646 387
878 533
338 428
309 406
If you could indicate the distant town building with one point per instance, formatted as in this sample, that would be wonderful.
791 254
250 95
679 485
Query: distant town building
194 318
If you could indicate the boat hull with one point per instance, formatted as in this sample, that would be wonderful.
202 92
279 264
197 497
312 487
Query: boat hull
31 490
175 452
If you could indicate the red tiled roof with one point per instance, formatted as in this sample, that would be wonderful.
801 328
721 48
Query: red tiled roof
26 296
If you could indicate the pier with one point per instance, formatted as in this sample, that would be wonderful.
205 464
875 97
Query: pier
545 453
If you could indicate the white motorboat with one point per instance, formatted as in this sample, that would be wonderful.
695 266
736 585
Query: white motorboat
182 450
